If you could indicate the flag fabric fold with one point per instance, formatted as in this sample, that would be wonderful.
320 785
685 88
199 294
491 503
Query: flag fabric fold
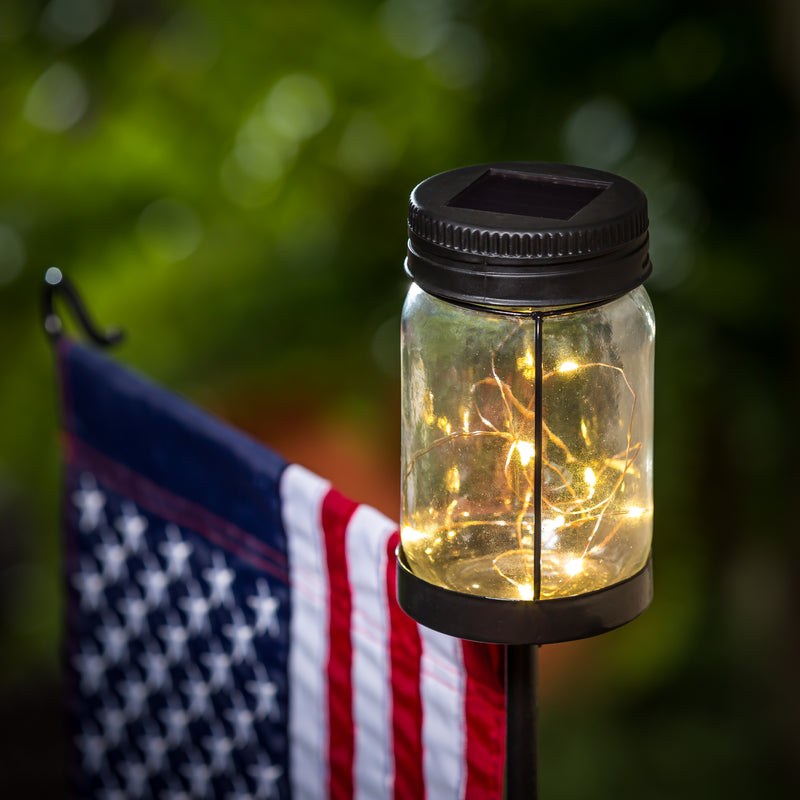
231 624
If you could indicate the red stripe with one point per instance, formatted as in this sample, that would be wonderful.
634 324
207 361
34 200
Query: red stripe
485 720
406 652
336 513
151 497
83 451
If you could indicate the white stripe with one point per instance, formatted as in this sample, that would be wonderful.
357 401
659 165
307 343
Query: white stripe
442 682
302 494
373 767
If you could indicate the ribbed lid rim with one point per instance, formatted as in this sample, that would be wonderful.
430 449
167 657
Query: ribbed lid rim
528 245
469 253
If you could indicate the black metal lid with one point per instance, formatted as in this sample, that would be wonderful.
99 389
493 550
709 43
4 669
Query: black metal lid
527 234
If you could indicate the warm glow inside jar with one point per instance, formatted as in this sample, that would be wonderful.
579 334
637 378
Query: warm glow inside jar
527 420
469 446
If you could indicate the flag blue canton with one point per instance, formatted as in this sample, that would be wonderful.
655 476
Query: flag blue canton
177 634
178 651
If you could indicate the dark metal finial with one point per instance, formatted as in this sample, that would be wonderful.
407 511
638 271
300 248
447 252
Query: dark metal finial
55 282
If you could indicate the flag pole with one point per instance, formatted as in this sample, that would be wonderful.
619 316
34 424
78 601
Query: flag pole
522 706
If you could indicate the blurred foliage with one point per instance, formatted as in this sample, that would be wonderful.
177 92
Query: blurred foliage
228 182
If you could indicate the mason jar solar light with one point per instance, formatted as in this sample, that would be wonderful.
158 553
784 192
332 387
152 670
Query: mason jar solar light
527 413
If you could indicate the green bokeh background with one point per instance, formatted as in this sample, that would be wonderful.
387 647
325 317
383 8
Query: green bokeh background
228 182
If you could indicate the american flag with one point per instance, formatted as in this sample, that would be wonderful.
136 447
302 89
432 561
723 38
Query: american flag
231 625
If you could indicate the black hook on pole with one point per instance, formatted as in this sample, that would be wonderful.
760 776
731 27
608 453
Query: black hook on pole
55 282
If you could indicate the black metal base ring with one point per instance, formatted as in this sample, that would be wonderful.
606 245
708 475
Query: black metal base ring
490 619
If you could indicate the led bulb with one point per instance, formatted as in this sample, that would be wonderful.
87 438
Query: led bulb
526 452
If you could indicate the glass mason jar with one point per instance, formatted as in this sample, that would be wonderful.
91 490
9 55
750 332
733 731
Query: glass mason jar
527 363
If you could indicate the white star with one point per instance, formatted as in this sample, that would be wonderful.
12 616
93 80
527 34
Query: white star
176 551
174 637
135 774
113 556
156 667
91 585
219 747
196 771
92 745
241 637
112 720
175 720
219 666
110 789
197 692
219 579
113 638
266 776
134 694
173 791
264 692
196 607
91 668
132 526
154 748
241 719
90 501
266 607
134 611
240 790
154 581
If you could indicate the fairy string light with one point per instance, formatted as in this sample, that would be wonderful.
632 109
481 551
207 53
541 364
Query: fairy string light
579 495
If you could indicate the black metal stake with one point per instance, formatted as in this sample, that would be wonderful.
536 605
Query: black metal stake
522 707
